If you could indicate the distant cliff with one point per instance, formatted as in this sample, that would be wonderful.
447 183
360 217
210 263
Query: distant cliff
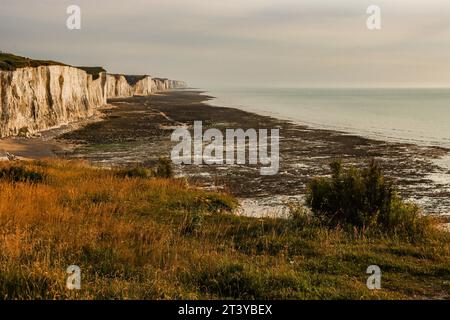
119 86
37 95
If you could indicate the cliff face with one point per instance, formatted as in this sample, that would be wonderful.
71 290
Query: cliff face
144 86
117 86
122 86
160 84
177 84
38 98
36 95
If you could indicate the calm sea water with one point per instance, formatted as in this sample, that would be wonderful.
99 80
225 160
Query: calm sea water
420 116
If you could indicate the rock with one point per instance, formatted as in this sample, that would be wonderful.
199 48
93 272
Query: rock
10 156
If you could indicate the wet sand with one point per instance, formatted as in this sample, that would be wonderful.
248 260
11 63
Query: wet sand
138 130
30 148
46 144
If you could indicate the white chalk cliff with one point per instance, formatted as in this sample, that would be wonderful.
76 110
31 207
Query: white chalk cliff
38 98
33 99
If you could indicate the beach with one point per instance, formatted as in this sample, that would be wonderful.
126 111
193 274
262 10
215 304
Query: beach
136 131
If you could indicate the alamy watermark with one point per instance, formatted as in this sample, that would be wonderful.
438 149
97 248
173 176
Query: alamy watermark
373 22
73 281
73 22
191 150
374 280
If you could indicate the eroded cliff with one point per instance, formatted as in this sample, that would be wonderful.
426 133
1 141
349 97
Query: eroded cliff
122 86
38 98
36 95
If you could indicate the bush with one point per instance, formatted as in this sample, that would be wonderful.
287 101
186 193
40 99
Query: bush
406 219
137 172
163 168
363 198
214 203
300 216
19 173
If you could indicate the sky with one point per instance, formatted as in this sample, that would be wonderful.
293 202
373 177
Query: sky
265 43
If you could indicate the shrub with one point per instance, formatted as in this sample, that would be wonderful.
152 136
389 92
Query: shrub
136 172
300 216
406 219
215 203
363 198
163 168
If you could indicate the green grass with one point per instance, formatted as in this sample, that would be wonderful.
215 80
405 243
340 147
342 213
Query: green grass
94 71
11 62
141 237
133 79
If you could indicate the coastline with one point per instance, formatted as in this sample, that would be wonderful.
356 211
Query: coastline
225 98
137 131
45 144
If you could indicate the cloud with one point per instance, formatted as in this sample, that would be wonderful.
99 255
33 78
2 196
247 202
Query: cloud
210 42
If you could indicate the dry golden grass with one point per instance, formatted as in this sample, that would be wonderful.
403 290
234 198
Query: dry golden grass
86 216
151 238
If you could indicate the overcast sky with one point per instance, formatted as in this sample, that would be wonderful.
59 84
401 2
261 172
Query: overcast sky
241 42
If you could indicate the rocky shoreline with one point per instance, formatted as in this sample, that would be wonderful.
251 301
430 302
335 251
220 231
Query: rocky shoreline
138 129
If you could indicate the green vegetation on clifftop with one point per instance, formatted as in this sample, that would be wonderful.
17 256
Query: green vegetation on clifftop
94 71
11 62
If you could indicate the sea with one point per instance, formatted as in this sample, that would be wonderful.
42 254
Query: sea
419 116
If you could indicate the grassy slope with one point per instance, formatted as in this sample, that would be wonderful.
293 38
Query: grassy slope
145 238
10 62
